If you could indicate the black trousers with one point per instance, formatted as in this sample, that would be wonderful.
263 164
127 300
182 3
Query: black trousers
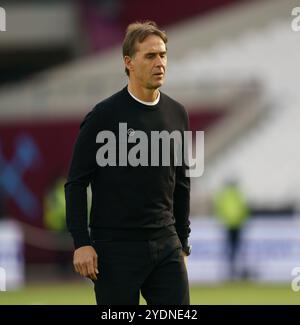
153 267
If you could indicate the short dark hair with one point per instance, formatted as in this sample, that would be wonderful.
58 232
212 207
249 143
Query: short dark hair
138 31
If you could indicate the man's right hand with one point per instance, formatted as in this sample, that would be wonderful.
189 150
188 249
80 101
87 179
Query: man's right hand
85 262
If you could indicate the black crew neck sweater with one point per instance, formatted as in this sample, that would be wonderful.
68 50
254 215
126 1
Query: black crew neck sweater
128 202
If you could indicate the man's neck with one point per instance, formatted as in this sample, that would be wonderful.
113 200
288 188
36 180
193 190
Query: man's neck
143 94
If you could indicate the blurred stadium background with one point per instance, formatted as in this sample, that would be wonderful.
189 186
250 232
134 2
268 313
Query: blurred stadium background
234 65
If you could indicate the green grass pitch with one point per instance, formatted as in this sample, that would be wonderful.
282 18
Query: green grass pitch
81 293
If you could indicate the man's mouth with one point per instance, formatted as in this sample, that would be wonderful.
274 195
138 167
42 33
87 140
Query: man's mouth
159 74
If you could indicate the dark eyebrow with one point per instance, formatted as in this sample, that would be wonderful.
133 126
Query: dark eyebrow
150 53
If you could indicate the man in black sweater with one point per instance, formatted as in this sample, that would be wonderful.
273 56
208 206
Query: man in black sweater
139 220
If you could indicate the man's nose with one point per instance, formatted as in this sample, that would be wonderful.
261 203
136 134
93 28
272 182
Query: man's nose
159 62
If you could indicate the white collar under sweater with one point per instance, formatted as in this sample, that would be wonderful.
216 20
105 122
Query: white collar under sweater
145 103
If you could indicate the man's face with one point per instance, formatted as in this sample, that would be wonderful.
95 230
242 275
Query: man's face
148 65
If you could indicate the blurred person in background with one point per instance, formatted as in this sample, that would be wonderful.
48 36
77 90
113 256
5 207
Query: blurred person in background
54 206
231 208
139 221
54 220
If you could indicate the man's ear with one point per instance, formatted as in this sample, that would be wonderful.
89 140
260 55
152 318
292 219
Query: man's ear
128 62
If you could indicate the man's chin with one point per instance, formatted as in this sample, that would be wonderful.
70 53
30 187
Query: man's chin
156 85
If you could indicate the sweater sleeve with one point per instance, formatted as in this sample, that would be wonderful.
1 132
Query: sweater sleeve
82 167
181 197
